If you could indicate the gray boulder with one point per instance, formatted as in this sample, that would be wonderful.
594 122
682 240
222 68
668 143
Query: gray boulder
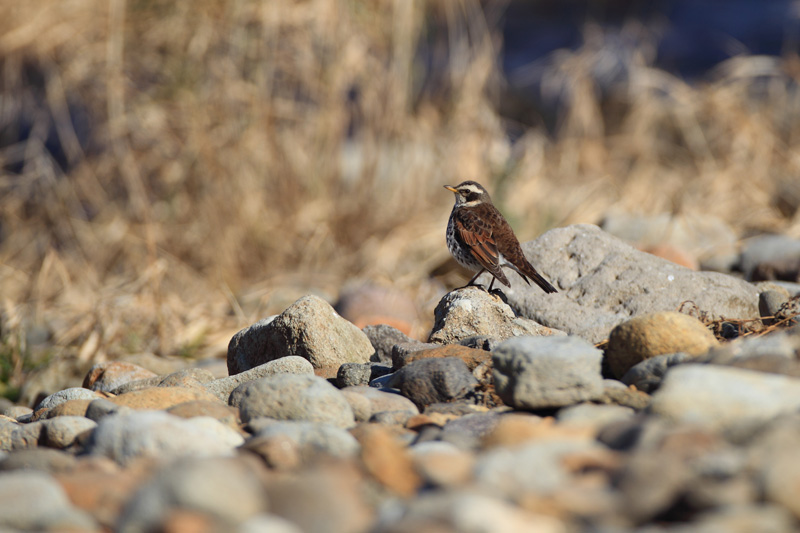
471 311
604 281
542 372
429 381
309 328
293 397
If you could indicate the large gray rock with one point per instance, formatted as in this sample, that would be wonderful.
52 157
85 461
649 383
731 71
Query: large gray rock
724 397
429 381
471 311
127 436
603 281
293 397
541 372
309 328
292 364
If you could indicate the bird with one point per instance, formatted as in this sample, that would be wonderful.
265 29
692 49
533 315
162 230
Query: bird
480 238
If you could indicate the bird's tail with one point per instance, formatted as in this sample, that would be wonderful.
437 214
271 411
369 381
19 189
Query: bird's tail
537 278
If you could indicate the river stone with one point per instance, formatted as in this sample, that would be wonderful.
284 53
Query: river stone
61 431
74 393
605 281
471 311
309 328
429 381
542 372
126 436
293 397
646 336
291 364
109 375
309 438
647 375
724 397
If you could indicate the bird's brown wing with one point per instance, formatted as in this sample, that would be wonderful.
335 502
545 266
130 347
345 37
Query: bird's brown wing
475 232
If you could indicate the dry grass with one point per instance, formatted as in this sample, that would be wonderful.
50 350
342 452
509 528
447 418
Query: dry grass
223 158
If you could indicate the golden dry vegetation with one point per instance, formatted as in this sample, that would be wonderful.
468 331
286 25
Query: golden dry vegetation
222 158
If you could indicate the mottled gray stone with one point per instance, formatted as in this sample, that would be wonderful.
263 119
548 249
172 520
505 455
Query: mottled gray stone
355 374
647 375
291 364
471 311
310 438
293 397
604 281
541 372
127 436
309 328
74 393
61 431
429 381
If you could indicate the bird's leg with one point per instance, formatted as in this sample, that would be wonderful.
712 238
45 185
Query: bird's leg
491 284
472 281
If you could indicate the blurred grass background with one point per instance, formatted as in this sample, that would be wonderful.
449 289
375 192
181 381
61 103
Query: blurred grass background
174 171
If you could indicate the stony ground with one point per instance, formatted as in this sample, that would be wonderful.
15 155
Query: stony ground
601 408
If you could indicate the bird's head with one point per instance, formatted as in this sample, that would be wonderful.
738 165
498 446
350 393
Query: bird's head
469 193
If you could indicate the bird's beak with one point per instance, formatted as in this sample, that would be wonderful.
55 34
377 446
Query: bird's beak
451 188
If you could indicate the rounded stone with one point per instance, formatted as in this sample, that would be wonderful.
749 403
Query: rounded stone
126 436
61 432
293 397
110 375
74 393
654 334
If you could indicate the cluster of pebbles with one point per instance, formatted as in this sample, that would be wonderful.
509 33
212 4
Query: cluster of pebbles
600 408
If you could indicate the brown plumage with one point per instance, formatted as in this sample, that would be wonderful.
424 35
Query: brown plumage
480 238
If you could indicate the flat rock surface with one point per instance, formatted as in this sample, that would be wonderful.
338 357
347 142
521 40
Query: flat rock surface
293 397
603 281
542 372
472 311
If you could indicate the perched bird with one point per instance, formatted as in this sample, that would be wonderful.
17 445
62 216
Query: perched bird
480 238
